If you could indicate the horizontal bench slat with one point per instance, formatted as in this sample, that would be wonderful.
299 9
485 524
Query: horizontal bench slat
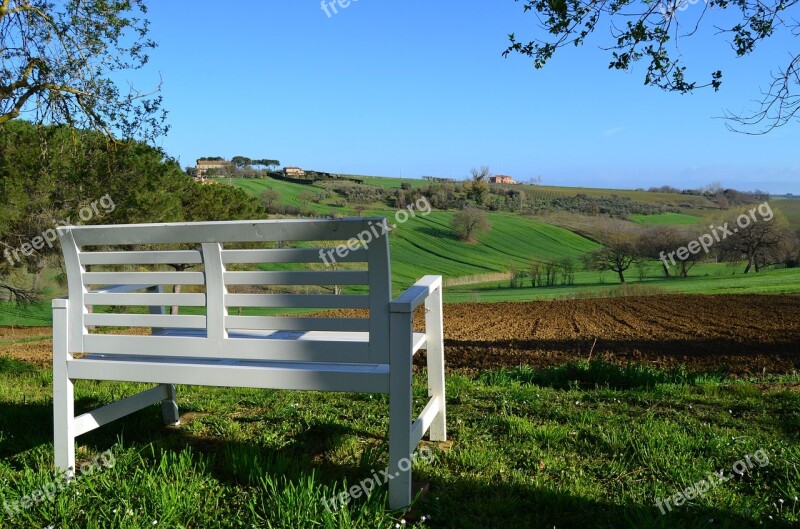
351 352
223 232
299 301
143 278
153 257
357 378
290 255
297 278
297 324
146 300
145 320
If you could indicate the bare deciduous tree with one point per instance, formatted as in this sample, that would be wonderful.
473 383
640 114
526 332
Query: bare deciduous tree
757 240
653 31
60 64
618 254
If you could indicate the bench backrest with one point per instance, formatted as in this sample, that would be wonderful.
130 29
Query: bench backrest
99 259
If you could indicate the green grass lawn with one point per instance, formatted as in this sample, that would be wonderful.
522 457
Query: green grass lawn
586 445
703 279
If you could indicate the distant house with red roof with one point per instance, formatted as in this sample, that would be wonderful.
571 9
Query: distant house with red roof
501 179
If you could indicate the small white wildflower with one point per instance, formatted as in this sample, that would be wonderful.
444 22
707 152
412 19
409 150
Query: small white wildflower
780 500
155 522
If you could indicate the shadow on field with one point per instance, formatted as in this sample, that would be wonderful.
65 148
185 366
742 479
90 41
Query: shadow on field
453 502
733 356
468 503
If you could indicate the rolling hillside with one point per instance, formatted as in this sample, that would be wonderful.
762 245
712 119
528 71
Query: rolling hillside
426 244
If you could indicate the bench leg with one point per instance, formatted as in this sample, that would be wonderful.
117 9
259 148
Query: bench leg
169 406
63 396
435 351
400 411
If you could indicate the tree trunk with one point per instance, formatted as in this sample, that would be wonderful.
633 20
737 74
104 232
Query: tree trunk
621 277
666 270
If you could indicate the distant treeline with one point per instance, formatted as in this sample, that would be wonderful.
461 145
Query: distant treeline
724 198
458 195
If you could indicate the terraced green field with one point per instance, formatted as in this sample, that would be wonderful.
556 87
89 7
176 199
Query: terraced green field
789 207
289 192
391 182
426 245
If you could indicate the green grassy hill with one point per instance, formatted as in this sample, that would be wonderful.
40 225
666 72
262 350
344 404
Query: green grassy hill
426 244
789 207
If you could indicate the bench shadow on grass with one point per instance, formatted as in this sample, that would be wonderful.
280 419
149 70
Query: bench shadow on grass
461 502
467 503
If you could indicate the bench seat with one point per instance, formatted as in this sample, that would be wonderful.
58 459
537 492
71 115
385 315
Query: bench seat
231 372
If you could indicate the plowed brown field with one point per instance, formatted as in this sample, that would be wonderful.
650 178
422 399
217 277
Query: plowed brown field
740 334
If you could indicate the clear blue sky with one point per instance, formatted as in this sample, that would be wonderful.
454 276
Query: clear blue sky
420 88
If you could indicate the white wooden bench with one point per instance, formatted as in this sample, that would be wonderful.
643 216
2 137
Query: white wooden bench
128 266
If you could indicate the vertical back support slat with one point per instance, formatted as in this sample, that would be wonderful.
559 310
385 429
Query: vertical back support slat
380 293
216 311
76 290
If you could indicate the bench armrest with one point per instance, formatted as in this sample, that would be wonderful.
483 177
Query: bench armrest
416 294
